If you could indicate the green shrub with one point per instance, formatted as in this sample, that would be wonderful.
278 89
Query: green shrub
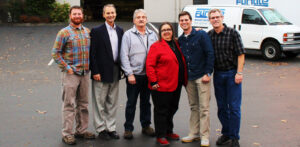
15 8
39 7
60 12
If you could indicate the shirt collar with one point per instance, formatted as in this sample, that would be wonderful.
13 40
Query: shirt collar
80 28
108 26
193 32
223 31
134 30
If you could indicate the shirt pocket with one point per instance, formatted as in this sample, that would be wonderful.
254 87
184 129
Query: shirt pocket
87 40
73 41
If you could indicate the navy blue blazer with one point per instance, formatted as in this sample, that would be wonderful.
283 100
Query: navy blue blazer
101 56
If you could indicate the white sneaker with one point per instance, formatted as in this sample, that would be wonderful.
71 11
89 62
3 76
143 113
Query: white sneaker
190 138
204 142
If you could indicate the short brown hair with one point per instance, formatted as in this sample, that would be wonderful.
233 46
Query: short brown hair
184 13
75 7
214 11
108 5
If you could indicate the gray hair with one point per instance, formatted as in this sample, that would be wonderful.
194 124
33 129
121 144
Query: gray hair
138 11
214 11
108 5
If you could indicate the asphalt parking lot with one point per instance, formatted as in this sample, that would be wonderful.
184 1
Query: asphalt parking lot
30 101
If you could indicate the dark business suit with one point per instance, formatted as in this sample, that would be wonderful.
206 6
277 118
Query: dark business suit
101 56
105 92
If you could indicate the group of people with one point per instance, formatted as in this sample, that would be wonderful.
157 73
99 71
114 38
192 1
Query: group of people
157 65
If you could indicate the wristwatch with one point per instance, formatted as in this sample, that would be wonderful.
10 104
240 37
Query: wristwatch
208 74
239 73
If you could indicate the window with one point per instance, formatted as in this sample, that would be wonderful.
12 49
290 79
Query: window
195 2
252 17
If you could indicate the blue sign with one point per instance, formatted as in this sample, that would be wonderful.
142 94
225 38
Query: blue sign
264 3
203 12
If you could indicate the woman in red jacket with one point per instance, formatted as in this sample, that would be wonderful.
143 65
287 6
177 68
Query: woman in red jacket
166 72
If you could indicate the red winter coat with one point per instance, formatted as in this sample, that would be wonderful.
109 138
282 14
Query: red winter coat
162 66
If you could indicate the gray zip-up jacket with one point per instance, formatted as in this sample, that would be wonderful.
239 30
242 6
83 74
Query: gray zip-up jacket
134 52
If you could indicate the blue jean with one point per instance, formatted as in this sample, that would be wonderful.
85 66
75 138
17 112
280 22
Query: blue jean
133 91
229 97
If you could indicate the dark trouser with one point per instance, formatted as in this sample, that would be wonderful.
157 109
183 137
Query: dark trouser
229 96
165 106
133 90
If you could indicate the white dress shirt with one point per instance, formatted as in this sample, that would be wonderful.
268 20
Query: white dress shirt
113 37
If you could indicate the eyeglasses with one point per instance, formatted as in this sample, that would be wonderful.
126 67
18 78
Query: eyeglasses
166 30
216 17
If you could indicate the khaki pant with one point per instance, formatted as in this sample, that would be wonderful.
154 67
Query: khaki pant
105 98
199 98
75 103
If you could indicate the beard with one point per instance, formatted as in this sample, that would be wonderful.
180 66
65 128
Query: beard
77 21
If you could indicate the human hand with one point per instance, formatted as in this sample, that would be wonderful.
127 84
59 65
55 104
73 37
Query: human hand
70 71
238 78
154 87
205 78
131 79
97 77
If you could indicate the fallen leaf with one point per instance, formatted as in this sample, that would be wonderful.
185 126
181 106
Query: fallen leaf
276 63
40 112
284 121
282 77
30 91
255 126
256 144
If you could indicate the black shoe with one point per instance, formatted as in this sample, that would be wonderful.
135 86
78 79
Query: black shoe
104 135
223 140
235 143
114 135
128 135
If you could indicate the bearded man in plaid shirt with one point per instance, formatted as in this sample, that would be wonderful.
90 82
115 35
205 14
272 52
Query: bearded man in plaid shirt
71 53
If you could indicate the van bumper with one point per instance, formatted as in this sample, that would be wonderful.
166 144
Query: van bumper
290 47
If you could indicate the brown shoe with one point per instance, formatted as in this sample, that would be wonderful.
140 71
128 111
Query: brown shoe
69 139
128 135
85 135
148 131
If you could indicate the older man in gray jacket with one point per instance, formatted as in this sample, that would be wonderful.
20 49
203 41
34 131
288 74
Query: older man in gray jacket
135 46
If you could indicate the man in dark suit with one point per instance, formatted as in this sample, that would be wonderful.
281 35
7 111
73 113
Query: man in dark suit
106 73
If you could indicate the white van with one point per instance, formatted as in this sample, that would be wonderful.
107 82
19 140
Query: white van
261 28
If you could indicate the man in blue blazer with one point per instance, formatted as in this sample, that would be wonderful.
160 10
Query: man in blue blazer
106 73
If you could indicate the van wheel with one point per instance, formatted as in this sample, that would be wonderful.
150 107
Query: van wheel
271 50
290 54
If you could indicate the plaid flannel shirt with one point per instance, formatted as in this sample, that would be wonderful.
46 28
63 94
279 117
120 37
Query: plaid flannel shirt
71 49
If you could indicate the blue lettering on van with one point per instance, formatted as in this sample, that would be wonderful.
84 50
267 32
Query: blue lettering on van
264 3
203 12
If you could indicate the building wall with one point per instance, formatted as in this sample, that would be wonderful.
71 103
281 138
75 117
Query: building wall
164 10
289 9
71 2
167 10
